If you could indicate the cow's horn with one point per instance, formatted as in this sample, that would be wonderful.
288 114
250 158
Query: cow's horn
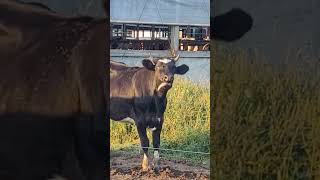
151 59
176 58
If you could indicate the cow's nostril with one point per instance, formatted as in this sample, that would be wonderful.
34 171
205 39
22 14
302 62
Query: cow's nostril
166 78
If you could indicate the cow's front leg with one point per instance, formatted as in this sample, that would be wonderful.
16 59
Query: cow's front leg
145 144
156 145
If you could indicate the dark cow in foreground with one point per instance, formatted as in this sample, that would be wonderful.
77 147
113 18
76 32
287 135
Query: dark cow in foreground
53 94
138 95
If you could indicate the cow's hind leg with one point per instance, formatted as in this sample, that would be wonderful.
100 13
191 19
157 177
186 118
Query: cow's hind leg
70 166
145 144
156 145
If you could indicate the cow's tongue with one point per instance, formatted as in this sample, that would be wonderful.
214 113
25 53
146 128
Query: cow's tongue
164 86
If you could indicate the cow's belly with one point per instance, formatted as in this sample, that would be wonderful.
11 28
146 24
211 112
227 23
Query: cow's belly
120 109
127 120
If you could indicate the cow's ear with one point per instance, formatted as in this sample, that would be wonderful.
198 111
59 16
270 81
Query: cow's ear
149 64
182 69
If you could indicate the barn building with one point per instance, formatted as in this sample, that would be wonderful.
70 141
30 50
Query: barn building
160 24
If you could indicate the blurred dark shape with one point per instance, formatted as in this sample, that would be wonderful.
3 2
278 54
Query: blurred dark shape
231 26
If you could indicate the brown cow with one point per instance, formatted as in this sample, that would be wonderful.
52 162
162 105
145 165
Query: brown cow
53 86
138 94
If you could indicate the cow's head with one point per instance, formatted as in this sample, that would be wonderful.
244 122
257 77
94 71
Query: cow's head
165 69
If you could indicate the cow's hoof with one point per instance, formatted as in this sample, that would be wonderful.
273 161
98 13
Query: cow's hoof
156 165
145 163
156 169
144 168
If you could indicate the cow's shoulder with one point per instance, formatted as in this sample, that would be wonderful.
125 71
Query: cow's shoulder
60 40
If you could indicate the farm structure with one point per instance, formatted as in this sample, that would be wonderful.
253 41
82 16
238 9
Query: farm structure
160 25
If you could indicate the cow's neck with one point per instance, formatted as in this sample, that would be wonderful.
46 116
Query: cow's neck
159 99
161 95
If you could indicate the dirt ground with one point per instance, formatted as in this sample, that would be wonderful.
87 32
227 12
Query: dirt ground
128 167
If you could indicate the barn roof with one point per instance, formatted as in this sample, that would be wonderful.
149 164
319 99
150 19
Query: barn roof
169 12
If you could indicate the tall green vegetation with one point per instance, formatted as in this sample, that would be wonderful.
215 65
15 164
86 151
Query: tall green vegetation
266 119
